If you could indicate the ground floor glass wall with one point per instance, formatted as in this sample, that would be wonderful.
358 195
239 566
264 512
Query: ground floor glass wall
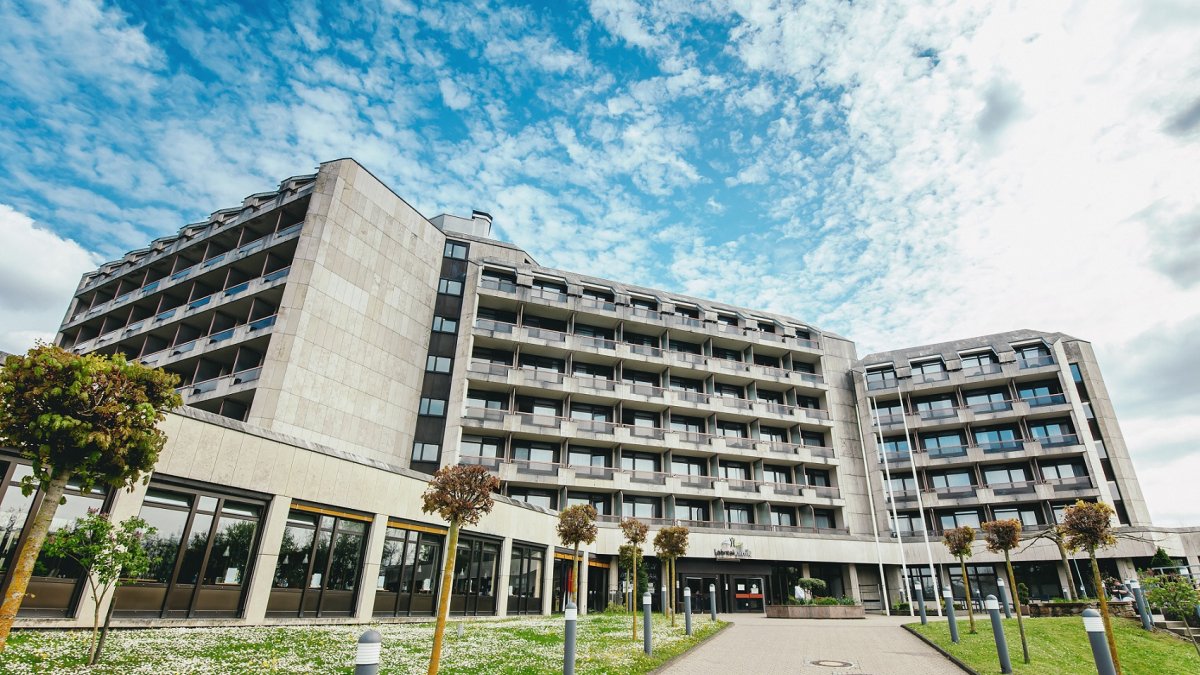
320 561
202 547
525 579
409 573
475 577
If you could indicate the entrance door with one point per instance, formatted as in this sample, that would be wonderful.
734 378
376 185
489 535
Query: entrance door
699 586
748 594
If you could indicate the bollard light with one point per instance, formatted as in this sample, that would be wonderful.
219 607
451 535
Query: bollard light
993 609
687 610
948 596
1094 626
920 587
571 615
1004 598
646 623
1143 607
712 601
366 659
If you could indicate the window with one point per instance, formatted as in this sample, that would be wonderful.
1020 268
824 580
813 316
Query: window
544 322
693 425
442 324
535 451
769 396
450 287
689 466
895 445
980 363
686 384
542 498
803 367
1063 471
640 418
783 516
729 391
1041 394
815 439
600 502
935 407
641 507
995 439
408 573
1028 515
732 429
727 319
548 407
542 364
551 285
1032 356
691 510
767 360
929 371
817 477
591 413
481 446
1076 374
808 402
739 514
777 474
950 480
593 371
319 565
577 456
906 523
603 294
499 280
497 315
639 377
425 452
640 339
727 354
643 303
963 518
588 330
890 412
433 407
473 590
987 400
903 483
773 434
493 400
685 347
438 364
1005 475
455 249
881 378
641 461
823 519
688 311
1051 433
944 445
735 470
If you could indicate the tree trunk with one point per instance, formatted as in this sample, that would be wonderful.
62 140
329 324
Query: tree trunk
967 584
444 598
29 553
1066 561
104 630
636 600
576 587
1103 596
1012 581
671 589
95 626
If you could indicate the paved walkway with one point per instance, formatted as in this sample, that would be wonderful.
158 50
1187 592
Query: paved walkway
757 645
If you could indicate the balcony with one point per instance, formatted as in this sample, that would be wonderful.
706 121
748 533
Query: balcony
1047 400
757 527
741 484
885 383
1057 441
211 342
990 407
938 414
498 285
994 447
930 378
220 386
981 370
1018 488
1035 361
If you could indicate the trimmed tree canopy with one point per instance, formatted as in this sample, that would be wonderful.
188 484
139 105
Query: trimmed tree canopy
1002 535
671 542
635 531
577 525
460 493
959 541
1087 526
94 416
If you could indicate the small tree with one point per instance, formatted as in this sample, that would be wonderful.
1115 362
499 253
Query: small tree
627 558
959 541
1002 536
577 525
1175 595
811 586
106 551
1088 527
671 543
1162 560
460 495
92 418
635 532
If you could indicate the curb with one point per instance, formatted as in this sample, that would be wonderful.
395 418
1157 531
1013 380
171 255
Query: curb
943 652
664 665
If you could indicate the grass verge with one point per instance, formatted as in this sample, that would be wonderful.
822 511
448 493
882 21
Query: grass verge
1059 645
523 645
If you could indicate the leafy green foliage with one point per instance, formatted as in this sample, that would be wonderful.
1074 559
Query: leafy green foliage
1001 535
1161 559
959 541
93 416
460 493
813 586
1174 594
577 525
1087 526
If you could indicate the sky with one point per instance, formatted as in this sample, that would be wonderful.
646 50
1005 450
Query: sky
898 173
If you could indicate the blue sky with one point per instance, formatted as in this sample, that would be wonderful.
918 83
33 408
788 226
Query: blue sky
899 173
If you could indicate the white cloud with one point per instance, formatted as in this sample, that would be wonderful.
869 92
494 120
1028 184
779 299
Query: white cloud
38 271
454 96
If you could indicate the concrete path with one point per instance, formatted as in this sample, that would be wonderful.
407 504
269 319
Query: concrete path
757 645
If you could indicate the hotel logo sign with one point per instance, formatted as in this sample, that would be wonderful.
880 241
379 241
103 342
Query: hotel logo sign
731 549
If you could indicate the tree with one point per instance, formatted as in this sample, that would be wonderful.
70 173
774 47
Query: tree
626 556
635 532
1055 534
577 525
107 552
460 494
90 418
1088 527
1175 595
670 543
1002 536
1162 560
959 541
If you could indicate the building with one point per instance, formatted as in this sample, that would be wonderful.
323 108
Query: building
335 347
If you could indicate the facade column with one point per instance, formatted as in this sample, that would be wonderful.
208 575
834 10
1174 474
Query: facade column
614 580
805 570
126 504
504 577
548 582
583 582
1126 569
364 606
258 590
852 575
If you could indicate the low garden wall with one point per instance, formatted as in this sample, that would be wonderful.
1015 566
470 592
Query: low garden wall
815 612
1115 608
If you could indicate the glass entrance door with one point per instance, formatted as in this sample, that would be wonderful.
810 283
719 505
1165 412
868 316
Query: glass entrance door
748 594
699 586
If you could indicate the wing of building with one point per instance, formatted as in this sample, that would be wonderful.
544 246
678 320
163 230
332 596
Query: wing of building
336 347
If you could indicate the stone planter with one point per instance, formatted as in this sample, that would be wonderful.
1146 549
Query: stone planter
816 612
1115 608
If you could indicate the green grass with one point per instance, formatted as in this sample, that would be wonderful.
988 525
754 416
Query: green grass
525 645
1059 645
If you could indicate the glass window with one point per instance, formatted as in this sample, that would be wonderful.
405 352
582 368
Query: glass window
533 451
481 446
577 456
817 477
588 330
1004 475
442 324
777 474
456 250
318 567
542 498
439 364
783 516
739 514
492 400
951 479
450 287
735 470
425 452
812 438
939 445
997 438
959 519
906 523
434 407
903 483
642 507
592 370
640 461
593 413
1063 470
691 510
1026 514
727 354
978 360
689 466
1053 432
773 434
881 378
694 425
640 418
1076 374
639 377
732 429
600 502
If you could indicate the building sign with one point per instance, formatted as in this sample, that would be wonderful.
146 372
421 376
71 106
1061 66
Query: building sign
731 549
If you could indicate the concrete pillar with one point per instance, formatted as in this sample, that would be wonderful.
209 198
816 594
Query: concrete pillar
265 559
548 582
614 581
364 606
1064 579
125 504
1125 568
583 583
852 576
504 577
804 570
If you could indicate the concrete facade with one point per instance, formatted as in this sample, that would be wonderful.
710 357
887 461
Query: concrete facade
336 347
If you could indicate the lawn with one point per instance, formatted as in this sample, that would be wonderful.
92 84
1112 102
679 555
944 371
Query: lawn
1059 645
526 645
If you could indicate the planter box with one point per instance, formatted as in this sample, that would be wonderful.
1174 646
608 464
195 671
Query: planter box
1115 608
816 612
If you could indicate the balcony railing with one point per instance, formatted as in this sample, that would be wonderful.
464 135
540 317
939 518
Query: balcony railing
990 407
946 451
1019 487
886 383
925 378
937 414
1036 361
1048 399
501 285
1057 441
1001 446
590 471
742 484
984 369
535 468
1073 483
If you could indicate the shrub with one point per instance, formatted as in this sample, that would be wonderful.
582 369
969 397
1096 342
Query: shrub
615 608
